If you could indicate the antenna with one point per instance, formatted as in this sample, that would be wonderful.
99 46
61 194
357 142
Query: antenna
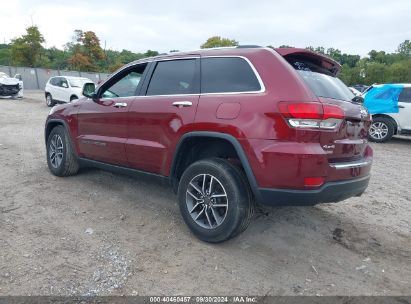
31 18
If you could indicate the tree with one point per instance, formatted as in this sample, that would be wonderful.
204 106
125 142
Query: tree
92 46
404 48
151 53
5 54
217 41
27 49
86 51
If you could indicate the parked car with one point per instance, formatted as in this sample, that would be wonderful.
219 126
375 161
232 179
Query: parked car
390 107
360 87
63 89
355 91
253 124
11 87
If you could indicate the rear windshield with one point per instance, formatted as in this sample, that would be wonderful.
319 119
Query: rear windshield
326 86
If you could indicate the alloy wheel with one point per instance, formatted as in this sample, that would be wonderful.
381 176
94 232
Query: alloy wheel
207 201
56 151
378 130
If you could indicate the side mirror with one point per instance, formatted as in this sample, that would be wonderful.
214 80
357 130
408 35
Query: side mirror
89 90
64 85
18 76
358 99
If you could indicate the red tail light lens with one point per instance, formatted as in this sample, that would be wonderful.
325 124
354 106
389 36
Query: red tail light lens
331 111
307 110
311 114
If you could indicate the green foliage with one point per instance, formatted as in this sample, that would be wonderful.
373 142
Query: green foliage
378 67
27 49
217 41
85 53
404 48
5 54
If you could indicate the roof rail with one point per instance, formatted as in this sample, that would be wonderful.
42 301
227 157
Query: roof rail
249 46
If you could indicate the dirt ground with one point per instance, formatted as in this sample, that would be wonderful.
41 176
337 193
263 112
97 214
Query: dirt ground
103 233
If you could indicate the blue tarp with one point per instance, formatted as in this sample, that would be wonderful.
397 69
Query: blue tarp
383 99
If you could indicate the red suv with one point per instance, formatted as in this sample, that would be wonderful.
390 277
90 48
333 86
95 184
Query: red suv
226 128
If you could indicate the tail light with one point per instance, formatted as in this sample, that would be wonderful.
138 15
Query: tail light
311 114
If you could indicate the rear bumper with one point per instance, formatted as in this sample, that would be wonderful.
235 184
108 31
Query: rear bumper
330 192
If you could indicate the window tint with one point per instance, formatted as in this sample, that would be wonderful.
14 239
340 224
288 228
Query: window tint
405 95
173 77
64 82
219 75
326 86
127 84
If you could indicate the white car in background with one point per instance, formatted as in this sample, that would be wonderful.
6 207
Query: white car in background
355 91
63 89
11 87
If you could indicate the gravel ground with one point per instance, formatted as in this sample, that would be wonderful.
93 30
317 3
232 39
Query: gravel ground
107 234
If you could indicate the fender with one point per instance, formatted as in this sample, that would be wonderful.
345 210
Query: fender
61 122
237 146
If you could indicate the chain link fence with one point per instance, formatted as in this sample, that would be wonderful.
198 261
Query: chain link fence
36 78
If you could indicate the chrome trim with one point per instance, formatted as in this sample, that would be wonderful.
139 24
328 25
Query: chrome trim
120 105
349 165
257 75
181 104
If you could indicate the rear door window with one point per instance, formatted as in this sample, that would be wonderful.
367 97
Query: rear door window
227 74
405 95
174 77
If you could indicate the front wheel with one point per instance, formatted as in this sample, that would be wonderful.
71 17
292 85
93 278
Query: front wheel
49 100
381 130
215 200
61 159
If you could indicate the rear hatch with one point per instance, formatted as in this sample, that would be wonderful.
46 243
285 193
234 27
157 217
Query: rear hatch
348 140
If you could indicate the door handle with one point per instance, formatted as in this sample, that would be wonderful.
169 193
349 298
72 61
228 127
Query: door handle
120 105
401 107
181 104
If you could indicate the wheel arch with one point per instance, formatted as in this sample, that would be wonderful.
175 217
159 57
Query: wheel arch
51 124
228 144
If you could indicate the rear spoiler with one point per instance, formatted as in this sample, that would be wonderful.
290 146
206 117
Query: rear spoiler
320 60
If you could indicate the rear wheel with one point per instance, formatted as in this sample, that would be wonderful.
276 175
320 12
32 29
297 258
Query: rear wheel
61 159
381 130
49 100
215 200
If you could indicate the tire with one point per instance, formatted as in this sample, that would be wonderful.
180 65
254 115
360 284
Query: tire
209 220
73 98
65 161
49 100
382 130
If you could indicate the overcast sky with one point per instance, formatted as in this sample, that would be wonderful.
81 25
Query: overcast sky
163 25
